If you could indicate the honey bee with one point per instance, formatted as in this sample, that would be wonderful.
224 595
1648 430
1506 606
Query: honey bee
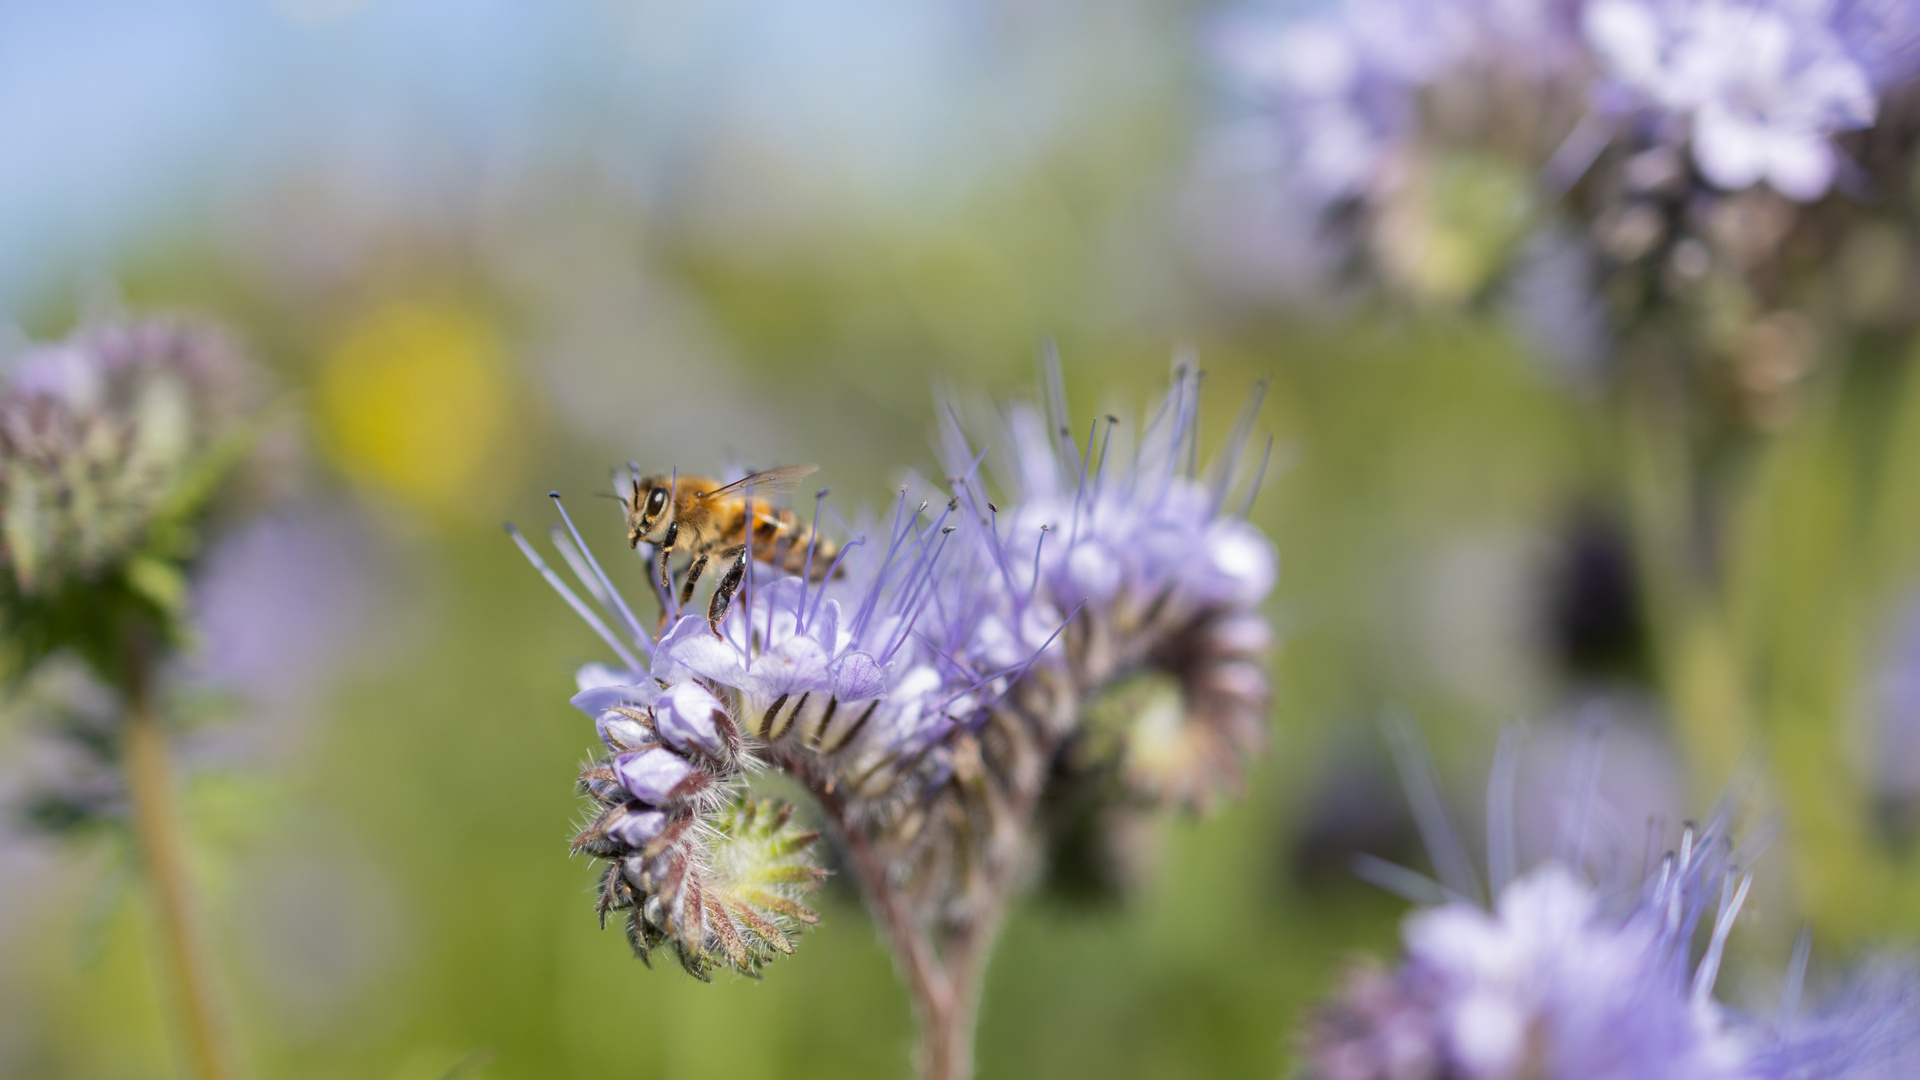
708 520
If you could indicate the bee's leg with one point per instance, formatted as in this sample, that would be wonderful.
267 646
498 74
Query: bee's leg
664 552
723 594
660 569
693 575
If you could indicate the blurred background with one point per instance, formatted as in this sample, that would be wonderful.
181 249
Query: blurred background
493 248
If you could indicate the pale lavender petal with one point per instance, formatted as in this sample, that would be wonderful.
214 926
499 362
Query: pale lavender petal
592 675
1730 150
1093 573
825 627
797 665
636 827
687 715
620 732
692 647
1799 165
598 699
651 775
857 676
1242 556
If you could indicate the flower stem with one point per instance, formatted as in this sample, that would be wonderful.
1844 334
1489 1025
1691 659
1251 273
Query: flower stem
943 990
149 780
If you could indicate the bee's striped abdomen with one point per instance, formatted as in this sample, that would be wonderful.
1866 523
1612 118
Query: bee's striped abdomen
780 539
793 558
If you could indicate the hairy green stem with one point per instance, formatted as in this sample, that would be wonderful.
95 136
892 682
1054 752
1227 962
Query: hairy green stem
150 782
943 984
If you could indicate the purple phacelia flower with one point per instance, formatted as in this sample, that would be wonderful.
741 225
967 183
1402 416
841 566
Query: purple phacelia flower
954 660
1166 576
1549 983
1868 1030
1561 980
1574 975
1341 86
1425 141
1565 978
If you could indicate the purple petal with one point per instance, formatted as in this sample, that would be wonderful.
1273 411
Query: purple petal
692 646
687 715
826 626
1094 572
651 775
857 677
592 675
598 699
1243 557
621 732
636 827
797 665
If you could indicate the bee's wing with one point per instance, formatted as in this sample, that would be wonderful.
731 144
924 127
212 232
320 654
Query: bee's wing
768 482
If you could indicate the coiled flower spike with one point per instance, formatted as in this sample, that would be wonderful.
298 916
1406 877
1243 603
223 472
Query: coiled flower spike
929 693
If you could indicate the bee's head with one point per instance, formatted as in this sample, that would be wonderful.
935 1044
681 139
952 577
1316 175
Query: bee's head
649 508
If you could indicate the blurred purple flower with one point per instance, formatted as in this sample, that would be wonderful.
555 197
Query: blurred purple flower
1868 1030
1576 977
1563 979
1894 710
1549 979
103 437
1762 84
1342 86
281 602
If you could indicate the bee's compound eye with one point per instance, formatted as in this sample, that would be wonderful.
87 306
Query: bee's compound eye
657 501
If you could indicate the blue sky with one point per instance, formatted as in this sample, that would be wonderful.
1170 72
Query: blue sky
121 117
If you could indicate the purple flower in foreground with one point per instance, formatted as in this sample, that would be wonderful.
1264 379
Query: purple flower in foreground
1551 984
1094 610
1869 1030
1566 979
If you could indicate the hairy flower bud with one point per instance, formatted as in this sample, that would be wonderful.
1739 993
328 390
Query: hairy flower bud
714 875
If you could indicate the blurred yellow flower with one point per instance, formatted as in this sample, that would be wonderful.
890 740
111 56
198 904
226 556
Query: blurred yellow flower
413 400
